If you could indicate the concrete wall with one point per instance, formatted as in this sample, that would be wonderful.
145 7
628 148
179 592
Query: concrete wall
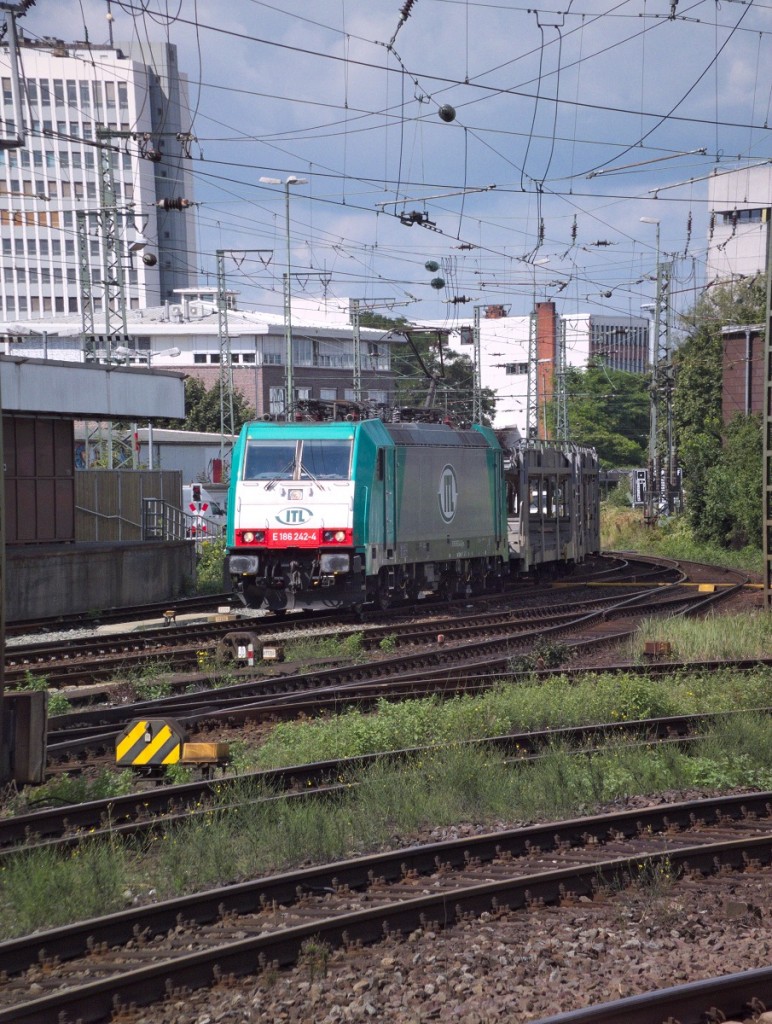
57 579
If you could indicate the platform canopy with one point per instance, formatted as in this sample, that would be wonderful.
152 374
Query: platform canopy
93 391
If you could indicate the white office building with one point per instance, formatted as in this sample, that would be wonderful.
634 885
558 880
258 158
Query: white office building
69 91
619 342
738 201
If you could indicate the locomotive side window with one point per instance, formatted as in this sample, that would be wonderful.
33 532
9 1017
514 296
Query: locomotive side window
269 460
325 460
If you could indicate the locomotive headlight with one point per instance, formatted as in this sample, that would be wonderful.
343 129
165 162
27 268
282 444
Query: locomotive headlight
332 563
250 536
333 536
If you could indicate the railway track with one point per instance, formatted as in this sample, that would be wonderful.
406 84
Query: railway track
149 810
138 956
448 668
71 660
743 995
201 602
180 648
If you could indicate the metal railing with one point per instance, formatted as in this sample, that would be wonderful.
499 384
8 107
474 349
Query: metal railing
162 521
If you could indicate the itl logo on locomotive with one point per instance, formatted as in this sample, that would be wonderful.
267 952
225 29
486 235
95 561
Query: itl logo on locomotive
448 493
294 516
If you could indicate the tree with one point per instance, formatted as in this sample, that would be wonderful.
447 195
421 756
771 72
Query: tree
202 409
609 411
718 487
731 503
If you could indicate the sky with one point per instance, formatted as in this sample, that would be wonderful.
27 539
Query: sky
515 147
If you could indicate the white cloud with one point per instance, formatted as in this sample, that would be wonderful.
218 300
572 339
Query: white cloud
314 90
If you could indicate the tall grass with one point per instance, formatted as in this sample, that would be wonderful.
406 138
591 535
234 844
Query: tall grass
712 638
506 708
387 806
623 529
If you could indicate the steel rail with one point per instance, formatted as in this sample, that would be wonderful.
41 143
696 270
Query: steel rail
123 815
95 1000
713 999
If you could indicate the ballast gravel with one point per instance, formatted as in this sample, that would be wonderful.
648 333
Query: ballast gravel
509 966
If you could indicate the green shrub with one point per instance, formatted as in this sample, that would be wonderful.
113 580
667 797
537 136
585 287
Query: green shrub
210 567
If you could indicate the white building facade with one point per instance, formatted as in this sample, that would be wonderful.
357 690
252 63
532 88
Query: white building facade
738 201
621 343
69 91
185 336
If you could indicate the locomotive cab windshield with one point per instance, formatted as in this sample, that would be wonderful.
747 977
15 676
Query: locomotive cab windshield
306 459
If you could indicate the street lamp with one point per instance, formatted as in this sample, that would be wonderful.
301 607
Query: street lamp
122 350
289 396
651 504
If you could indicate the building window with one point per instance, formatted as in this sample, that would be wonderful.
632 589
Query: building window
512 369
742 216
214 357
199 357
247 357
276 401
328 394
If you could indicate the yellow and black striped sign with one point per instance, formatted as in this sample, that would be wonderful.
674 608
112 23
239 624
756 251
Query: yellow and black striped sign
149 741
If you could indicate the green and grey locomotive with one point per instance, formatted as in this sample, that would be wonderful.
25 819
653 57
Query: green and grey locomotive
340 514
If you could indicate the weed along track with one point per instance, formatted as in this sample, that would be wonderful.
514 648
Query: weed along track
447 655
138 956
163 807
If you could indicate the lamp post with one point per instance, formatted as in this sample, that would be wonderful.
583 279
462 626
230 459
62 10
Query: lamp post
122 350
289 387
651 504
